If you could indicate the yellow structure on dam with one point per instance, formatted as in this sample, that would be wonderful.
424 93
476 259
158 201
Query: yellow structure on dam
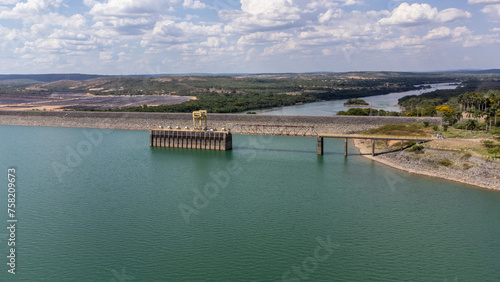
197 138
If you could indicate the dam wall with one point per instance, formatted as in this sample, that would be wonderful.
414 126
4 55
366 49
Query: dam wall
147 121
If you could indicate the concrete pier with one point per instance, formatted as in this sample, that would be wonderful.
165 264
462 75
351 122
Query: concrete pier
346 147
191 139
373 147
320 146
346 137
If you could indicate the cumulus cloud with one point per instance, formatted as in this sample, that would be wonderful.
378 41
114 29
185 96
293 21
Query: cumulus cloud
257 15
419 14
169 32
492 10
247 31
438 33
194 4
131 7
329 15
131 17
484 1
261 38
30 8
332 3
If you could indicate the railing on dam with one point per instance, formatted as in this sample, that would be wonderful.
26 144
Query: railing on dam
274 129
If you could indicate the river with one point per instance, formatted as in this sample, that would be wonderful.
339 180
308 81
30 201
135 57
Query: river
381 102
101 205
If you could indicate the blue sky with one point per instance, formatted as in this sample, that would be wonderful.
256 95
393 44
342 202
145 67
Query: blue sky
247 36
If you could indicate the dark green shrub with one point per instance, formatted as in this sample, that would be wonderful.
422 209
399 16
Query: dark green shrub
445 162
416 148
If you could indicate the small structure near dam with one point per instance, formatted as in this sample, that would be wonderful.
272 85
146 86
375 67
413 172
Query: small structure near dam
197 138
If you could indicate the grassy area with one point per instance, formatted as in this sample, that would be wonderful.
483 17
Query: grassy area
411 130
466 134
466 147
476 146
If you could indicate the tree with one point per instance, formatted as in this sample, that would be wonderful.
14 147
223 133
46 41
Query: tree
471 124
494 151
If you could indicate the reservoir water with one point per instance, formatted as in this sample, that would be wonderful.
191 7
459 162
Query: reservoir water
95 205
327 108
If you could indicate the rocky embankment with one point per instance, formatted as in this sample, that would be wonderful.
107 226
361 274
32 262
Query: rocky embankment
457 166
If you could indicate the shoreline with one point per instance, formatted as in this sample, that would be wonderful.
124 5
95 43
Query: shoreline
322 124
450 174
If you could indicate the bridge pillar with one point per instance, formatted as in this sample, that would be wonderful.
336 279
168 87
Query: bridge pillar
320 146
373 147
401 145
346 146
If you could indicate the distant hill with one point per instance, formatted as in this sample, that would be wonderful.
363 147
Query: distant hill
50 77
490 71
45 78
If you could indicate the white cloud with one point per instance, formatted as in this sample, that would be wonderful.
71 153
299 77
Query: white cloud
8 2
194 4
452 14
492 10
89 3
260 38
258 15
353 2
438 33
329 15
168 32
419 14
214 42
129 17
105 56
402 42
131 7
484 1
30 8
317 4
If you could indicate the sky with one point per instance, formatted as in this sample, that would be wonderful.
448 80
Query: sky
124 37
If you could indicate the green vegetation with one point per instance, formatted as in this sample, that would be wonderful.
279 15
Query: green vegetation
494 151
238 93
366 112
416 149
466 156
473 109
355 101
415 130
445 162
226 103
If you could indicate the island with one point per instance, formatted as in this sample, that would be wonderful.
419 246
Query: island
354 102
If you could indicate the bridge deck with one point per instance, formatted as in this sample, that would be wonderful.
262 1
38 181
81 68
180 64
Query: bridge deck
376 137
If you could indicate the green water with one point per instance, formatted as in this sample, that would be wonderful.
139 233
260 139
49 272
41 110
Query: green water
113 213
